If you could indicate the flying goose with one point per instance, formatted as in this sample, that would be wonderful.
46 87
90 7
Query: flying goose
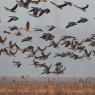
13 28
2 40
46 69
17 63
12 9
82 8
28 38
62 5
82 20
70 24
13 18
50 28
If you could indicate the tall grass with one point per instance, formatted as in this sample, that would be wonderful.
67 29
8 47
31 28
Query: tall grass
50 87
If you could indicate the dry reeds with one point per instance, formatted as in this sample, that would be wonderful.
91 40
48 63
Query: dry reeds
51 87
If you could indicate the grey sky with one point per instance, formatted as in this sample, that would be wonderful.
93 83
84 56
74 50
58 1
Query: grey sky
59 18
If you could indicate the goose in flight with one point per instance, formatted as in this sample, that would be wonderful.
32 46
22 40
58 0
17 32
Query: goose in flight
2 40
82 20
58 68
28 38
92 44
13 18
54 44
43 11
13 28
62 5
43 56
87 54
40 49
46 69
21 3
35 11
82 8
38 29
71 24
6 32
4 51
12 9
47 36
18 34
17 63
12 53
50 28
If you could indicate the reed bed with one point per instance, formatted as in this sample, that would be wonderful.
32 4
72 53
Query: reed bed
49 87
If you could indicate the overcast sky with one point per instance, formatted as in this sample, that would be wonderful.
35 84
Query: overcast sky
57 17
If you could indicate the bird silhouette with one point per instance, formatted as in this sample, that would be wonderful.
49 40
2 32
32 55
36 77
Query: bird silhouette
47 10
4 51
58 68
67 37
24 4
50 28
17 63
13 28
43 56
70 24
75 56
92 44
35 11
38 29
18 34
87 54
28 38
40 49
94 52
54 44
6 32
13 18
2 40
12 9
42 65
12 53
47 36
46 69
82 8
26 49
82 20
62 5
63 54
17 47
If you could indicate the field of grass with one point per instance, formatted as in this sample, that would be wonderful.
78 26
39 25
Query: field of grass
49 87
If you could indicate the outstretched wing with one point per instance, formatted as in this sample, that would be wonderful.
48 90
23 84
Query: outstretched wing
10 19
85 6
14 8
54 3
7 8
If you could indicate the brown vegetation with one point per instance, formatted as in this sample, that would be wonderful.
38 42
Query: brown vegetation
50 87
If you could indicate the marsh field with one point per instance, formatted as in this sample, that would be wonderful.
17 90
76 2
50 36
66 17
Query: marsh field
47 86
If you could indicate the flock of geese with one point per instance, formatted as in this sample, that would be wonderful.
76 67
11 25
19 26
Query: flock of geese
76 49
